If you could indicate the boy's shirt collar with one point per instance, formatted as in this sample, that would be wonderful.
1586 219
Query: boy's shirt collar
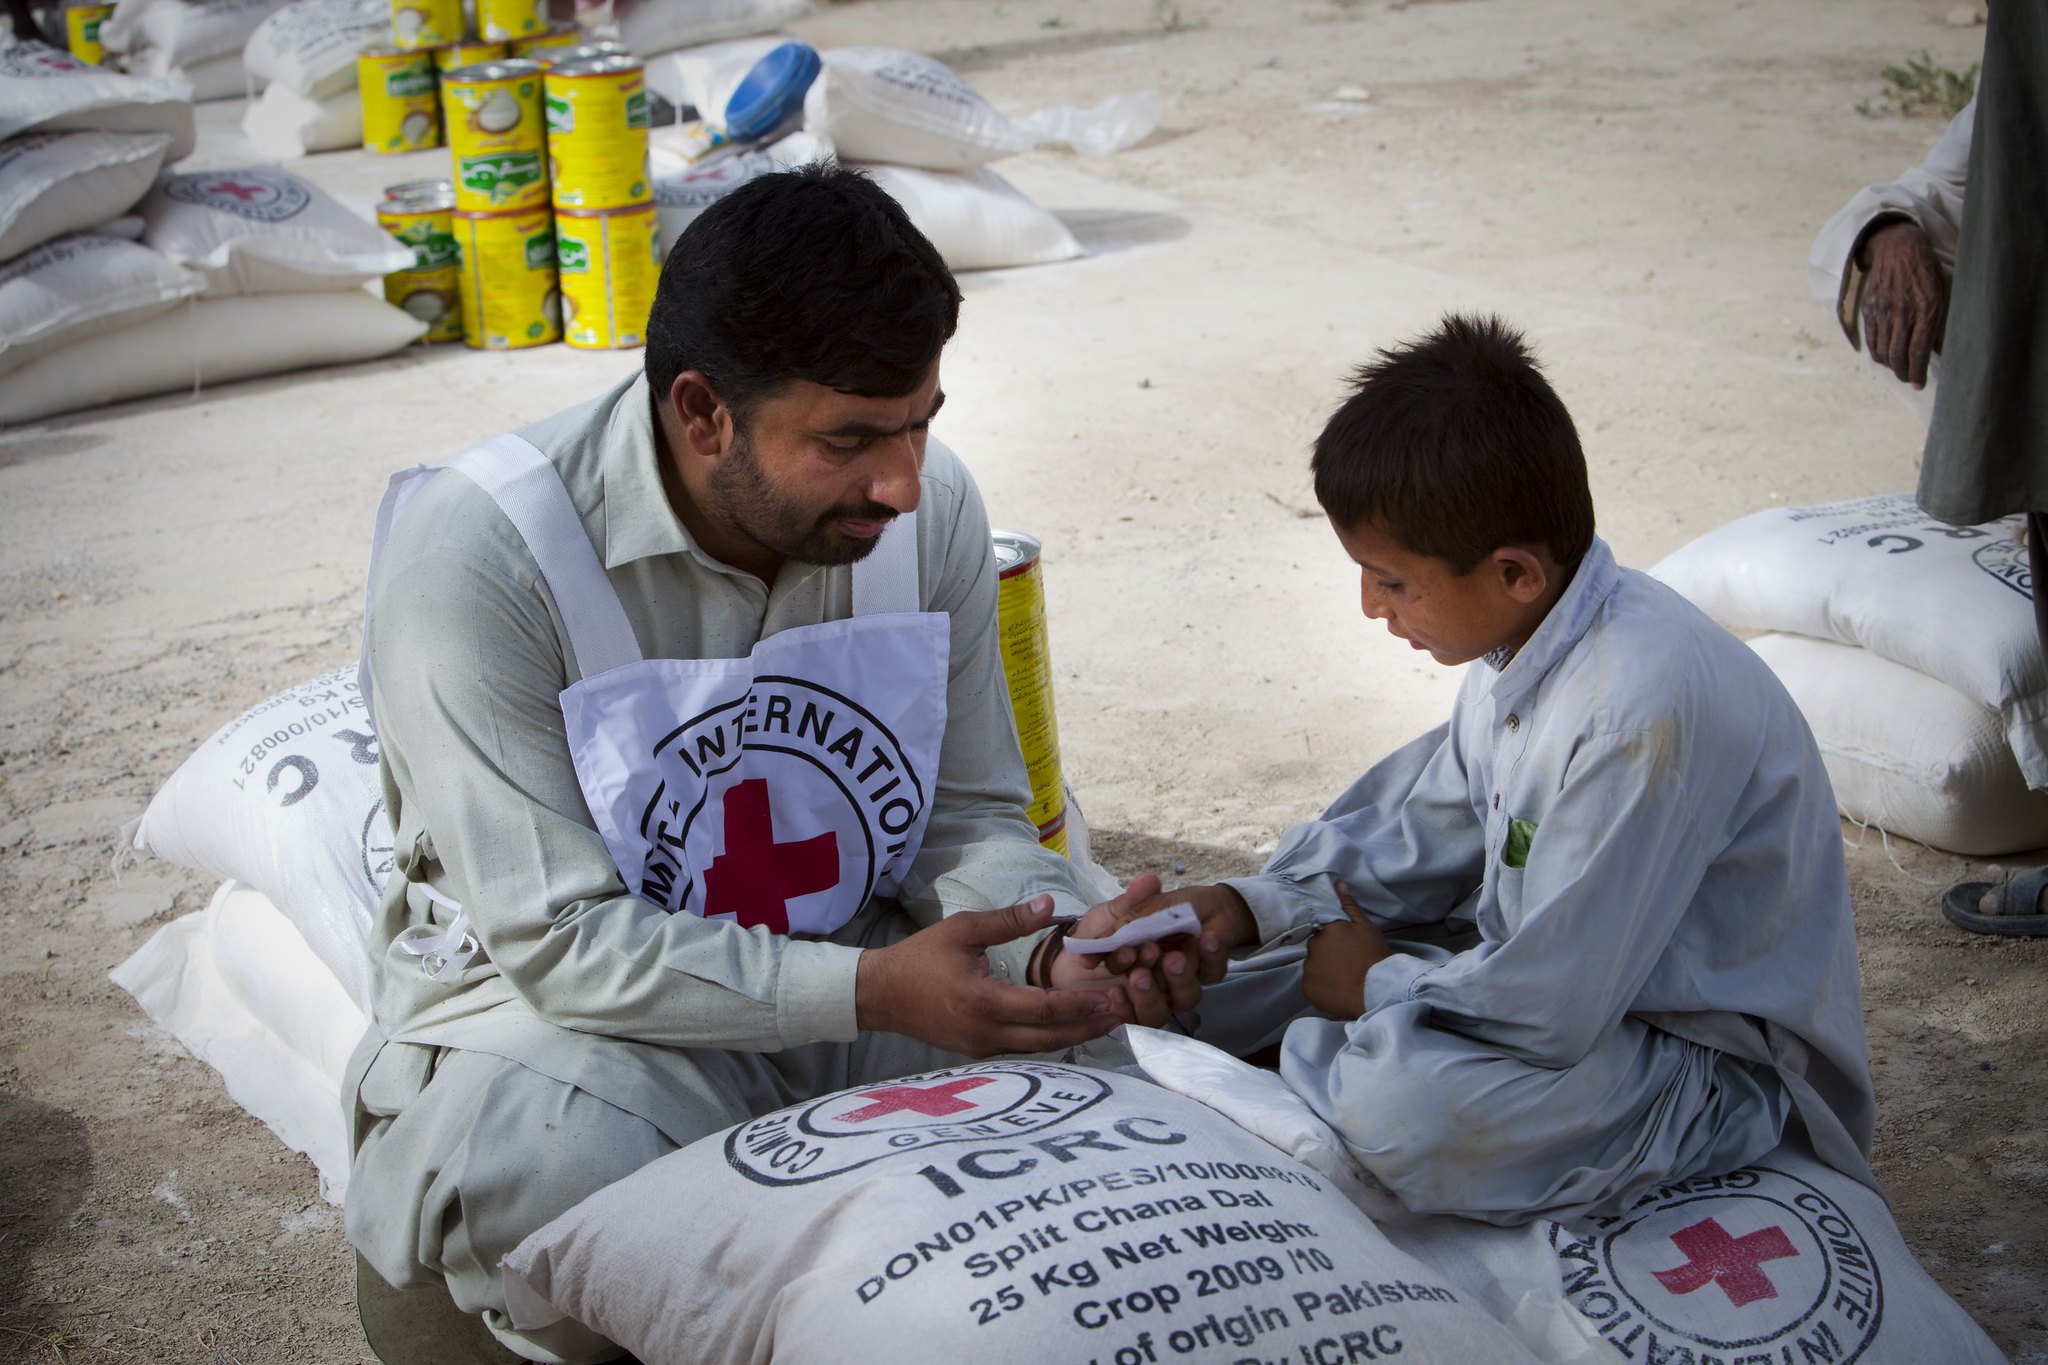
1592 584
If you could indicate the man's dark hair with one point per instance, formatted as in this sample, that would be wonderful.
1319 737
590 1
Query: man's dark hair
813 274
1456 445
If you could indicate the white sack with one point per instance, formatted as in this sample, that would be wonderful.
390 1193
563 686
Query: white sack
286 124
1908 754
650 26
704 77
158 35
977 219
310 46
208 341
77 287
682 190
1002 1213
260 230
44 88
286 797
907 109
237 985
1955 603
216 78
1784 1260
54 183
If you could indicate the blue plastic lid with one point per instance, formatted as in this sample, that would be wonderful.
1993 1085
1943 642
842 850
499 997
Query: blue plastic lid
771 92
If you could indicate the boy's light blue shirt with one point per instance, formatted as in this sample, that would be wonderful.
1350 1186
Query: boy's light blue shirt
1635 813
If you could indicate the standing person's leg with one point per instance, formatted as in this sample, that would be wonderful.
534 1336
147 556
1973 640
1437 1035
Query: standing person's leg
1452 1125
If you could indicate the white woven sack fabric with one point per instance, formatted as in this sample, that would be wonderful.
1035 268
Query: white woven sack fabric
1953 602
216 78
237 985
47 89
705 76
260 230
207 341
682 190
286 798
157 36
976 218
310 46
54 183
78 287
1784 1260
286 124
903 108
1005 1213
1907 753
648 27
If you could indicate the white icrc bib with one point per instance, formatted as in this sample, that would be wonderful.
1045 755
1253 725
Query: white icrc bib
784 789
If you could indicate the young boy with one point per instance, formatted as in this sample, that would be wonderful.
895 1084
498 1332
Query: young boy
1625 805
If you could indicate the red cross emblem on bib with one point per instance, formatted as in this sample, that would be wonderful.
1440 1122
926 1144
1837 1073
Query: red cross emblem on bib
755 878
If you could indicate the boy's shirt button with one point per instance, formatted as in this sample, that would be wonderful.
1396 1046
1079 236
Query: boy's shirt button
1514 721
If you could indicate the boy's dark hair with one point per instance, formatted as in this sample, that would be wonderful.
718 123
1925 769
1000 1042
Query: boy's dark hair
1455 445
813 274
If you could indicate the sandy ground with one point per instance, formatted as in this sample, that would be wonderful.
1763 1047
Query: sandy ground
1636 184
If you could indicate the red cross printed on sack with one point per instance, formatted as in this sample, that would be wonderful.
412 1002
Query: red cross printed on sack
1734 1263
933 1101
755 879
236 190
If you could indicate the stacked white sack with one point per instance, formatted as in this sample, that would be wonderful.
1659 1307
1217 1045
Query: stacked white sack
287 125
54 183
200 39
48 90
304 58
279 267
650 27
1951 603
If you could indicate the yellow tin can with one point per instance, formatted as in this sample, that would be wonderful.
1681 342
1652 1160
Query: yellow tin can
610 263
82 31
466 53
432 290
535 47
1027 669
510 298
495 130
414 189
419 24
597 134
551 57
503 20
401 106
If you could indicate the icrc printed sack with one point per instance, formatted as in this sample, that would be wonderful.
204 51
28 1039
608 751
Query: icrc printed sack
159 36
310 46
207 341
1953 602
261 230
1006 1213
54 183
286 124
648 27
1785 1260
77 287
286 798
977 219
906 109
215 78
1907 753
237 985
44 88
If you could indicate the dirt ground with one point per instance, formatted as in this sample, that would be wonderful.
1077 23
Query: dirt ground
1636 184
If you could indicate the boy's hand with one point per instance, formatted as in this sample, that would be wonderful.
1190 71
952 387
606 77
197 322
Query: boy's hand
1166 976
1339 956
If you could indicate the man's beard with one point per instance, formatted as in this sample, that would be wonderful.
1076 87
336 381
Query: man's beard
751 506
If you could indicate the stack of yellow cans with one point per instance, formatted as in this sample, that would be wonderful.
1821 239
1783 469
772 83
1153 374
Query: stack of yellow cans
502 221
401 100
421 214
608 232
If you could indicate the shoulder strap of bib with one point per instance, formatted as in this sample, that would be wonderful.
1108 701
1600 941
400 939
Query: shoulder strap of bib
529 491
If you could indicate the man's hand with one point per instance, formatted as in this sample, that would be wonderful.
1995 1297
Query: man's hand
1905 300
1166 976
1339 956
934 986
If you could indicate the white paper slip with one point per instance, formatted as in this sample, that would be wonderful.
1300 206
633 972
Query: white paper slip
1175 919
